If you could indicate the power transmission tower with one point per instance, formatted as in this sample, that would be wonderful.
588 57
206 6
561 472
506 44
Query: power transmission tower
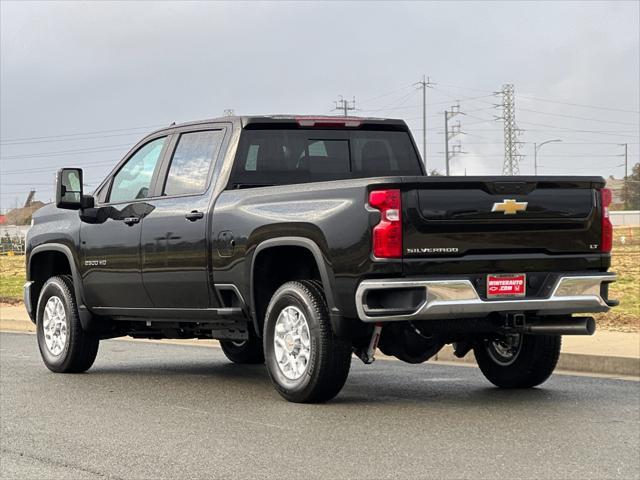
345 105
512 157
449 133
424 84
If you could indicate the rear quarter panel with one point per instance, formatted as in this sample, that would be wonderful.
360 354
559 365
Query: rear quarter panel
331 214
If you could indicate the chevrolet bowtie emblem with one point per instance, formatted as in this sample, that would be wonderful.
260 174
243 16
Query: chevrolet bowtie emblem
509 206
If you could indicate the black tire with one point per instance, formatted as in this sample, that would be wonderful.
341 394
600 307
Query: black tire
537 357
329 359
80 347
248 352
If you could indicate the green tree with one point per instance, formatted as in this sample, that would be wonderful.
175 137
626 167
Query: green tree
631 189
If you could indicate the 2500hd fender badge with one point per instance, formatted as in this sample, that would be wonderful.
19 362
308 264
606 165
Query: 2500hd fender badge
95 263
433 250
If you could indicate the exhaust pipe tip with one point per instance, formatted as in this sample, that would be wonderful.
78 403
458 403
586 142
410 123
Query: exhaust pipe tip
590 325
568 326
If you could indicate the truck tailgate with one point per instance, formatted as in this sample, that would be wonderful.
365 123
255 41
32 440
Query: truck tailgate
460 216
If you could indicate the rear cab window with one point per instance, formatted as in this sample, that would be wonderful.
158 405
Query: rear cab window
287 156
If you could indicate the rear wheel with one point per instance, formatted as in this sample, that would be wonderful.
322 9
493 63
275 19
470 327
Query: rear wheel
244 351
64 346
518 361
305 360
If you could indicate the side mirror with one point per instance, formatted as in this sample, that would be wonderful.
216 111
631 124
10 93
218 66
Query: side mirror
69 189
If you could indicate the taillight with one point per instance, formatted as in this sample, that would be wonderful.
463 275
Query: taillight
606 240
387 234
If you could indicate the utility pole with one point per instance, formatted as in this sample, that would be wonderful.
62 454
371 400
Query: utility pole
626 173
345 105
446 141
449 134
511 132
424 84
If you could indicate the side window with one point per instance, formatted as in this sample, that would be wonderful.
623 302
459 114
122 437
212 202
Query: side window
191 161
134 179
252 158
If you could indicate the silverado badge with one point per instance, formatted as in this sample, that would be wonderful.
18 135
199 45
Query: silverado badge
509 206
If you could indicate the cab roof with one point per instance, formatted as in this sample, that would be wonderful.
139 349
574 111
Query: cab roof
298 121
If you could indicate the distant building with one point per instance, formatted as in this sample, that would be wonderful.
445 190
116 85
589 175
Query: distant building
22 216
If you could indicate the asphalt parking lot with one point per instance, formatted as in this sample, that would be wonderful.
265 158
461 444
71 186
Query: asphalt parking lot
150 410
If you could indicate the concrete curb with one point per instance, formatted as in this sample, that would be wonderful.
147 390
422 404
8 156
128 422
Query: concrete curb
574 362
570 362
17 325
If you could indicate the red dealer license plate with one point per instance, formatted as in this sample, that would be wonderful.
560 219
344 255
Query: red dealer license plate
511 285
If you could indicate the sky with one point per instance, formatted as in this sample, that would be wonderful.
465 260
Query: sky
80 83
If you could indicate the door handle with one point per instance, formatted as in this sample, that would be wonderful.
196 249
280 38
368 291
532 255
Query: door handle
194 215
131 220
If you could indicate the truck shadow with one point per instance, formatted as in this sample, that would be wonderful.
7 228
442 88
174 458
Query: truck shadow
386 382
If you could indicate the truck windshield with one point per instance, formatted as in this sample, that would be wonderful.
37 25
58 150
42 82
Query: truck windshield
280 157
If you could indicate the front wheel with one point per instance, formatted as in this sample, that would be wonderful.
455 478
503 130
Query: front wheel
518 361
305 360
64 346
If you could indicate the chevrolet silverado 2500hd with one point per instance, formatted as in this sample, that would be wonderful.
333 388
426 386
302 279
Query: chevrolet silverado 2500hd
297 241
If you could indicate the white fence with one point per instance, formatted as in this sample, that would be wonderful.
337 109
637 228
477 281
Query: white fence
629 218
12 238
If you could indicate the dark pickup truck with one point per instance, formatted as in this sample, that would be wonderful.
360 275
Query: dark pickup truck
297 241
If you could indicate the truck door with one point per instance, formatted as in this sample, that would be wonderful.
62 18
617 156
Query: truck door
176 233
110 242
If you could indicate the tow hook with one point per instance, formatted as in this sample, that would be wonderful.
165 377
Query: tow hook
368 356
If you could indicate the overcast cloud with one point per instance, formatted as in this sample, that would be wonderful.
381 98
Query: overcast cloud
74 68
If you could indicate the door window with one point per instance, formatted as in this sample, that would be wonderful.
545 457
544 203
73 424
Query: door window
191 161
133 180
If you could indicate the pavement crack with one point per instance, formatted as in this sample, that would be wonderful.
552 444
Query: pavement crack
49 461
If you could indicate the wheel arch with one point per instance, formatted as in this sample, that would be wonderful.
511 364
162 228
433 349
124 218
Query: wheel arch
45 261
302 244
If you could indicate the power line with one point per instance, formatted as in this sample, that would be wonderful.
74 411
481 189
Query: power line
621 133
576 117
81 133
104 148
76 139
579 104
386 94
583 105
399 103
51 169
563 143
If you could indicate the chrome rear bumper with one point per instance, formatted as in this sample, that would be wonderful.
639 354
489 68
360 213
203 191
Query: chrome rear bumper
457 298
